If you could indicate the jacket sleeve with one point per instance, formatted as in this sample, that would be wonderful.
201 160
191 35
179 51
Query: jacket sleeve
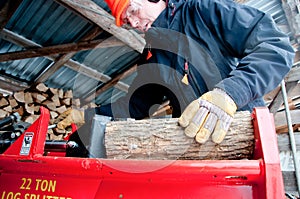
264 52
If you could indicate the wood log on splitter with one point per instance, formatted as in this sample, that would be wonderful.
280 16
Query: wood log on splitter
164 139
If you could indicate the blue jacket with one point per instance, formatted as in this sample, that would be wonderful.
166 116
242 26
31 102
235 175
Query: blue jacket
215 43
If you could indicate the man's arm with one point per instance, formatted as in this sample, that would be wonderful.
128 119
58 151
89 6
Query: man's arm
265 53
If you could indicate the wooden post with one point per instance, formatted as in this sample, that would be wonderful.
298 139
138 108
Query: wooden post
164 139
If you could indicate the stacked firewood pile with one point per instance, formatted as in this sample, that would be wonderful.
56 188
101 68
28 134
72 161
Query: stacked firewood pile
28 102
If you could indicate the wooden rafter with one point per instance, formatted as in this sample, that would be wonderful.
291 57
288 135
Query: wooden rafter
100 17
63 59
59 49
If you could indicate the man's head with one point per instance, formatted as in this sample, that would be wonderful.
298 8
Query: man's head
140 14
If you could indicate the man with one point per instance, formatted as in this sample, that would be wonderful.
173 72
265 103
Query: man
209 58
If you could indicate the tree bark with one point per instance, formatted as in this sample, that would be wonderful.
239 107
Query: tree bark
164 139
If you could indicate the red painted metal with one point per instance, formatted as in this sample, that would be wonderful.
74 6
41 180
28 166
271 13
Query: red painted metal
35 176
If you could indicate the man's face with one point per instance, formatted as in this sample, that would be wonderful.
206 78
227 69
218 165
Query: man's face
142 16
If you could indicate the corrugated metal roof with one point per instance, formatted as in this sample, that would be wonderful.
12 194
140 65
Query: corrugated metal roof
47 23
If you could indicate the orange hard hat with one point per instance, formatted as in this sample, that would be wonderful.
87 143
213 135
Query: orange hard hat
117 7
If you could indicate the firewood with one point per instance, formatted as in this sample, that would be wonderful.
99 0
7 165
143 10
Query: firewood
59 131
3 102
27 103
36 108
20 110
19 96
76 103
8 109
28 98
66 101
68 94
281 121
3 113
61 109
165 139
38 98
50 105
12 102
56 100
61 93
54 91
53 114
42 87
29 108
30 119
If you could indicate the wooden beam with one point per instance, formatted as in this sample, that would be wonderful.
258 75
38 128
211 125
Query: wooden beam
278 100
293 75
7 11
59 49
281 121
66 57
99 16
17 39
9 84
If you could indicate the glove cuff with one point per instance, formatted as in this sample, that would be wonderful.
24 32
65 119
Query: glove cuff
225 95
220 99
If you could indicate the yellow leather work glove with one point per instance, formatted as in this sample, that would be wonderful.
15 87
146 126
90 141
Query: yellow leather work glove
71 116
212 114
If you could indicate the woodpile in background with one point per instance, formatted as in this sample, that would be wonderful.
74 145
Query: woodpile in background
28 102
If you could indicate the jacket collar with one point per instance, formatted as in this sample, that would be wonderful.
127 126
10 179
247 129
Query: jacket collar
165 18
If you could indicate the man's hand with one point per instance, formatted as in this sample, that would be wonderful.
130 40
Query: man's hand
71 116
212 114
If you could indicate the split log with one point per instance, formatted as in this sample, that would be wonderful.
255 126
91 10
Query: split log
42 87
19 96
12 102
3 113
165 139
3 102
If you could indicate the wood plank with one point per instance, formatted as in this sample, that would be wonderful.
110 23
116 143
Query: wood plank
63 59
10 84
280 118
99 16
278 100
58 49
293 75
